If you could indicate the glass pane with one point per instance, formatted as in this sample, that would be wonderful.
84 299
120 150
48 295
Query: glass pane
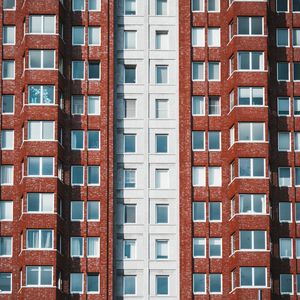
93 140
244 96
32 275
94 5
76 210
256 25
46 275
199 283
258 167
243 25
94 70
198 140
78 35
259 276
92 283
48 59
47 166
77 175
5 282
93 175
78 69
246 276
244 167
93 210
198 105
49 24
161 214
76 282
94 35
198 211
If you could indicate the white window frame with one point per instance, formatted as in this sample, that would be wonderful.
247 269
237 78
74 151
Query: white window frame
251 168
71 246
202 242
287 293
252 241
253 278
82 280
39 277
42 25
41 166
288 34
251 140
39 239
14 28
71 211
41 131
250 26
290 141
283 98
73 35
251 96
289 71
262 62
42 59
291 244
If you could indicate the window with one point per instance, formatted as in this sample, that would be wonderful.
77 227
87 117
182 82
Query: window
198 140
9 35
232 136
76 283
93 211
214 106
213 5
129 7
215 283
297 212
76 247
78 35
198 71
162 214
129 249
6 210
285 246
78 5
76 210
252 277
296 37
129 73
296 5
283 106
296 71
39 239
93 139
94 70
253 132
6 246
78 70
215 247
252 204
250 61
94 36
282 5
8 104
250 25
129 178
282 36
161 7
297 176
215 213
198 37
198 5
161 141
284 176
297 248
40 166
94 5
130 39
41 59
199 176
161 74
77 175
77 140
129 143
39 276
198 106
296 106
93 247
252 240
7 175
286 284
214 37
40 130
93 105
161 40
5 281
41 94
213 71
161 109
42 24
162 285
129 108
161 178
252 96
40 203
77 105
251 167
93 174
8 69
199 283
129 285
162 249
92 284
9 4
285 212
214 176
214 140
298 283
283 71
199 247
7 139
129 213
198 211
284 141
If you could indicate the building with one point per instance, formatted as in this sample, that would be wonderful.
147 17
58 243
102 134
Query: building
149 149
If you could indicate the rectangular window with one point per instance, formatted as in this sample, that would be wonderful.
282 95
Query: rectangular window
129 213
297 176
161 108
78 36
78 70
76 283
9 4
41 59
214 37
199 176
93 175
94 70
282 5
42 24
40 166
297 240
215 212
162 214
283 106
198 36
8 104
129 285
161 7
129 108
129 248
7 139
250 96
286 248
199 283
76 246
162 285
197 5
129 143
286 284
282 37
214 106
284 176
251 132
78 5
198 106
130 74
162 249
250 61
214 71
162 178
252 204
284 141
9 35
199 247
5 281
39 276
129 7
41 94
94 5
296 5
296 37
199 212
94 36
8 69
213 5
253 277
161 40
7 175
93 247
6 246
296 71
93 210
77 210
130 39
40 203
296 106
93 140
161 143
198 140
214 140
198 71
283 71
77 139
250 25
6 210
252 240
130 178
251 167
285 212
41 130
39 239
92 282
214 176
215 283
161 74
77 105
215 247
77 175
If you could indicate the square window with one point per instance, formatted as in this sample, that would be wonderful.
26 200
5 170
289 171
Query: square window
296 71
6 210
296 37
77 105
285 247
284 141
215 247
214 106
199 283
162 249
129 178
129 249
129 143
282 5
93 247
77 140
93 175
215 283
214 37
284 177
198 106
198 71
198 5
286 284
161 74
199 247
5 246
94 5
214 176
7 175
78 70
285 212
9 4
77 175
129 108
296 5
76 247
161 178
215 212
213 71
214 140
161 40
199 211
283 106
76 283
198 140
213 5
8 104
198 37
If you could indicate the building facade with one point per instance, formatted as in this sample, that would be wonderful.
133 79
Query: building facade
149 149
